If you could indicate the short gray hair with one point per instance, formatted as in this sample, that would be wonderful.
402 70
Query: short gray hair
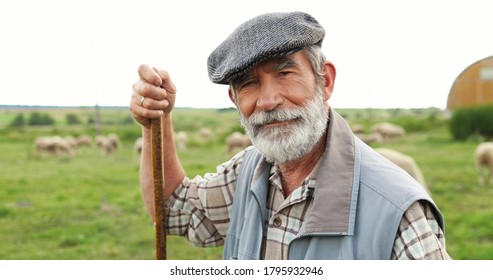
317 60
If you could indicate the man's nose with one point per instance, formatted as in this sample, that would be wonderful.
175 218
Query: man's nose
269 97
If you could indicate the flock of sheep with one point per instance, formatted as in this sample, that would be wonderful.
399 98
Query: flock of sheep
234 141
380 134
384 132
67 146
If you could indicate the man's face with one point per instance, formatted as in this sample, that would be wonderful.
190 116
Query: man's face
282 108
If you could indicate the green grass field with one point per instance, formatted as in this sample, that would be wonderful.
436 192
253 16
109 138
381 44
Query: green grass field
90 207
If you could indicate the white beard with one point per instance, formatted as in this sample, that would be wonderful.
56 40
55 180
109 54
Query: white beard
291 141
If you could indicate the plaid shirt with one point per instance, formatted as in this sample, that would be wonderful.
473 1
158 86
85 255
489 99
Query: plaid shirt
200 210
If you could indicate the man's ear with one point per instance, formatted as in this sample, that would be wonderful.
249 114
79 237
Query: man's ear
231 95
329 77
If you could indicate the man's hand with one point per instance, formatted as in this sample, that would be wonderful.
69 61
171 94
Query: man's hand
153 95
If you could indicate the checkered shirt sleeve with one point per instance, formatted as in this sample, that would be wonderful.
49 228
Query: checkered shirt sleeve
419 236
200 208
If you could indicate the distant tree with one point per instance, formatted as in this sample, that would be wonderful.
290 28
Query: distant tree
18 121
72 119
37 118
470 122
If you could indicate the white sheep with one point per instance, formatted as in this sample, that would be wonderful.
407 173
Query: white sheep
108 144
388 131
205 132
84 141
371 138
113 140
483 159
237 140
100 141
358 129
44 145
54 145
405 162
71 141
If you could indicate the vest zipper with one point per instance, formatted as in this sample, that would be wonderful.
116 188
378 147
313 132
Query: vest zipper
261 224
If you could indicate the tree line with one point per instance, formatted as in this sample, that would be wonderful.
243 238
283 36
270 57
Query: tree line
39 119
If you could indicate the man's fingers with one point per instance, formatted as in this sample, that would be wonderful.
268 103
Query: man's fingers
143 115
150 75
150 93
166 81
146 89
153 104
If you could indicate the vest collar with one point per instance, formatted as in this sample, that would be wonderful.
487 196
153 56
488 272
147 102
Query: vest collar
336 191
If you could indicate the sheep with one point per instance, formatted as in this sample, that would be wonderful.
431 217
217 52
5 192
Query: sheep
64 147
113 140
71 141
358 129
371 138
483 159
388 131
44 145
108 144
84 141
106 147
405 162
54 145
100 141
205 132
237 140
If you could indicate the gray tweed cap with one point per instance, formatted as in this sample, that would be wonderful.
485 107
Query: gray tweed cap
258 39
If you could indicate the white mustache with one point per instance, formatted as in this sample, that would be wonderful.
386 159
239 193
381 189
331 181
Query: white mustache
276 115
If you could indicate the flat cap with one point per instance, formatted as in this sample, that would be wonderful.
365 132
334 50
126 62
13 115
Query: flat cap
261 38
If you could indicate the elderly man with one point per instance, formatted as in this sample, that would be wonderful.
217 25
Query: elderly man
307 188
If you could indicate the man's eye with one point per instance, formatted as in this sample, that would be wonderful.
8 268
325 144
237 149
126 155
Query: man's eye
283 73
247 84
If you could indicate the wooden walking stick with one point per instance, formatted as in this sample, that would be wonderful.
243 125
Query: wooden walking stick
158 183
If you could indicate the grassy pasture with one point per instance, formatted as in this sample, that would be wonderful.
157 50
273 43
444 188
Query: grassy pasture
90 206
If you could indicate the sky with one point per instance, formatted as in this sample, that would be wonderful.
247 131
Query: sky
388 54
